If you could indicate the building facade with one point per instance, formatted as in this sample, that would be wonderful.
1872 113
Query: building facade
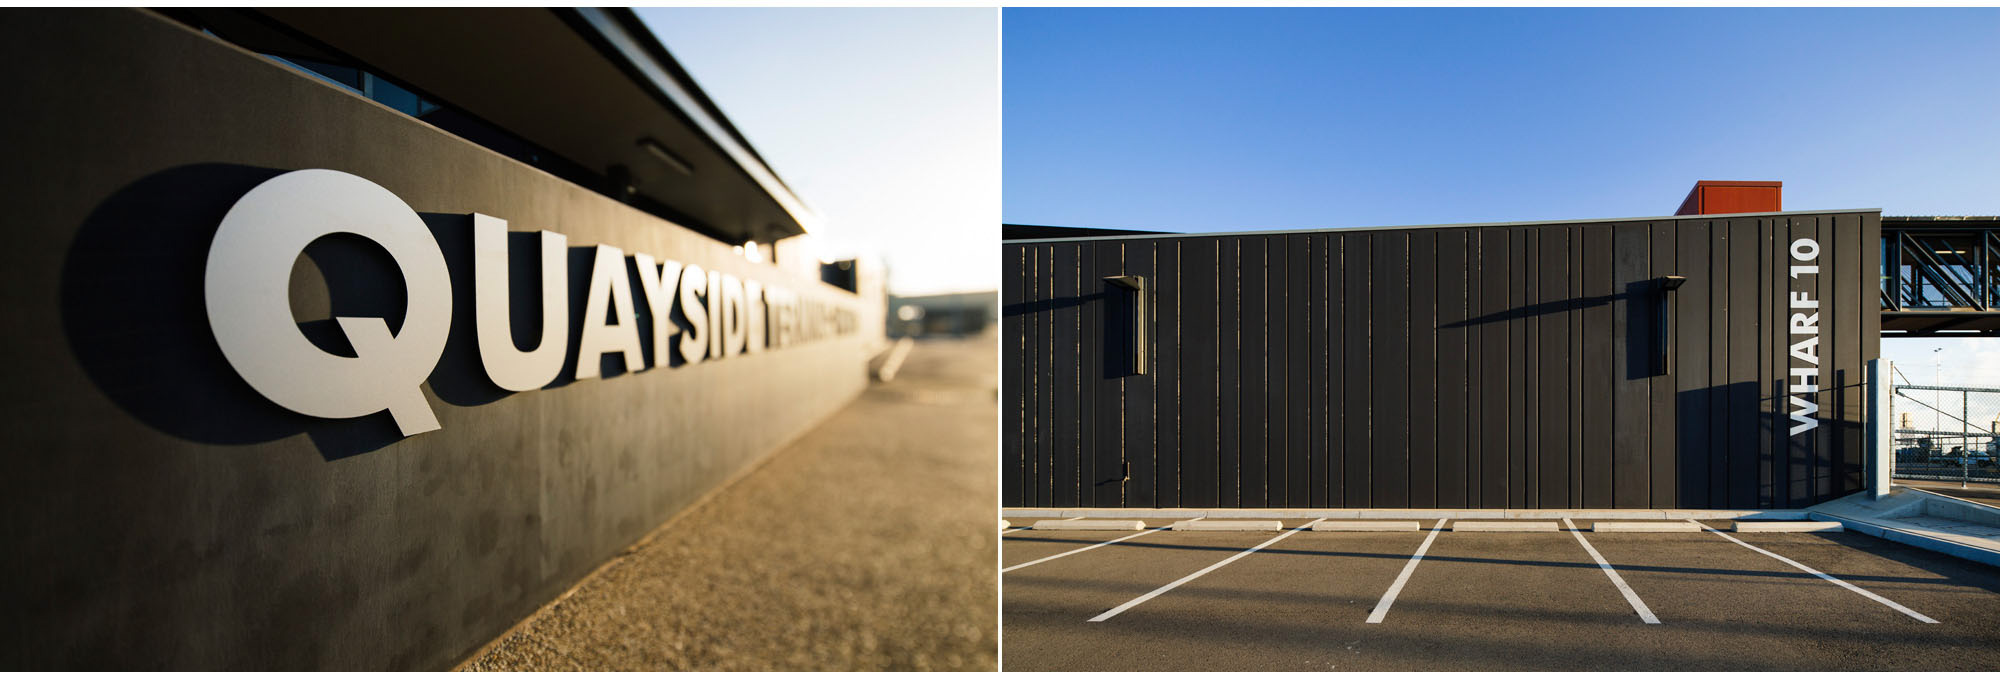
1693 361
348 338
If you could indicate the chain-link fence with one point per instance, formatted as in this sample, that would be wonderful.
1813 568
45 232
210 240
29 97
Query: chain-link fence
1945 432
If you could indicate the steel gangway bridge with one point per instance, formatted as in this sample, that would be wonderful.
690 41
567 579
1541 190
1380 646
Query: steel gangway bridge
1940 276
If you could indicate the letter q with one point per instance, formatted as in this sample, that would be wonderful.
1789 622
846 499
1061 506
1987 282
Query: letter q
249 273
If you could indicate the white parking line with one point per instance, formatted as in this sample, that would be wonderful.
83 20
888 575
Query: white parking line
1078 550
1190 577
1781 558
1645 614
1389 598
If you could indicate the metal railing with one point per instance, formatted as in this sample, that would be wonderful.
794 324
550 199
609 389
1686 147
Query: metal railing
1949 270
1940 276
1945 433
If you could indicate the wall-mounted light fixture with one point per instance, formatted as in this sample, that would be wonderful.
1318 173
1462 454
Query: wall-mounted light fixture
1668 284
659 151
1136 285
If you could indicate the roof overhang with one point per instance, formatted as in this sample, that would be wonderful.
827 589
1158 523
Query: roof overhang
590 85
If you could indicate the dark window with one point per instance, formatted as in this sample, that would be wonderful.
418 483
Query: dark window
255 32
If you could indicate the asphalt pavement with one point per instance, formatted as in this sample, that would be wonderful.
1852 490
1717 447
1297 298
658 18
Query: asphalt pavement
1490 602
865 545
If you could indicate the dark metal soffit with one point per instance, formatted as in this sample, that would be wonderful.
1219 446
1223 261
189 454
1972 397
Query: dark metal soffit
628 36
1031 232
1463 225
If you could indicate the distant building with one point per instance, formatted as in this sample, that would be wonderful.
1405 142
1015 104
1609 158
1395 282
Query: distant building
953 314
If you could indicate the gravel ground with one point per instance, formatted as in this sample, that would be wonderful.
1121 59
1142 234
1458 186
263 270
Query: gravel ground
866 545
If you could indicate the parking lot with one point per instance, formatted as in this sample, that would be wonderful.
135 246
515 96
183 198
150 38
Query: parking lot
1303 600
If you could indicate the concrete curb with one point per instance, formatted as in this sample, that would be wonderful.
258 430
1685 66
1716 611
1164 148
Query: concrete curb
892 360
1352 525
1420 514
1785 527
1882 518
1228 525
1505 526
1917 539
1643 527
1090 525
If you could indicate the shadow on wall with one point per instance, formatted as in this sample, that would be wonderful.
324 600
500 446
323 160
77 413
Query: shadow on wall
459 378
1737 450
1640 302
1735 445
135 316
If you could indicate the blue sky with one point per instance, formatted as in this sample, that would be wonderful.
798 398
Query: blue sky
1233 119
1224 119
885 121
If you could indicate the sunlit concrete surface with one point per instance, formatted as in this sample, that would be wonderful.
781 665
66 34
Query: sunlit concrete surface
1984 493
865 545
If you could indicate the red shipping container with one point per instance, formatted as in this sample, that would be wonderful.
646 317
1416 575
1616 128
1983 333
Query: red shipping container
1716 198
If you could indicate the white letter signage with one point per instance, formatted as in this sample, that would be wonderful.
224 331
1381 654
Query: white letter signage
248 278
1803 387
249 273
508 366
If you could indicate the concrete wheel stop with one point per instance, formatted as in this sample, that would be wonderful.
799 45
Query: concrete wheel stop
1644 527
1366 525
1505 526
1090 525
1229 525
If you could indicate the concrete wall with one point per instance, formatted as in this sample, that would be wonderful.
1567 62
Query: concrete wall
161 515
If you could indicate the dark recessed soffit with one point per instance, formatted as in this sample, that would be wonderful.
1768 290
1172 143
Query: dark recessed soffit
590 85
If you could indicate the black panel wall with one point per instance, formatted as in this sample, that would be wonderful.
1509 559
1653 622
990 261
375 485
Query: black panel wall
158 513
1502 366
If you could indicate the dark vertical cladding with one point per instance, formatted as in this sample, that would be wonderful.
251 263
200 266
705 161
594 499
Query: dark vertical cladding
1297 365
1201 339
1505 366
1167 410
1252 320
1496 370
1692 361
1013 355
1663 471
1043 371
1357 322
1866 308
1452 419
1065 353
1229 372
1624 277
1424 394
1389 387
1140 405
